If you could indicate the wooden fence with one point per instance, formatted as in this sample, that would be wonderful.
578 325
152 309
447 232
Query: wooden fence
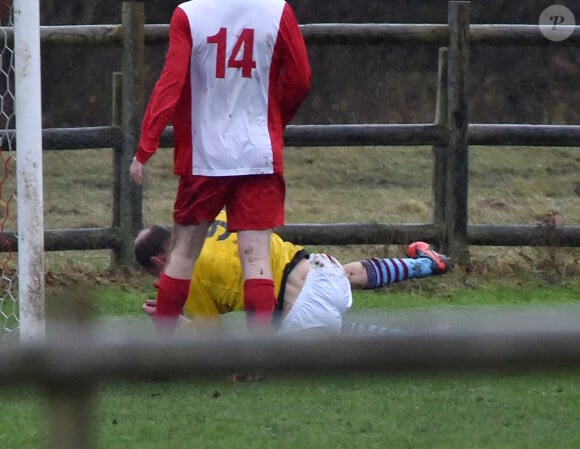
450 135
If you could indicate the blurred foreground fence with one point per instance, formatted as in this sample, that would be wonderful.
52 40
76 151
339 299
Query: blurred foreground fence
74 359
450 135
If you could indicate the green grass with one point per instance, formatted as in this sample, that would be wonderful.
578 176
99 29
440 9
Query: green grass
493 295
345 412
444 291
504 410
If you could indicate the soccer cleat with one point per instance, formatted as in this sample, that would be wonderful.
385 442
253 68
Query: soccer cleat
439 263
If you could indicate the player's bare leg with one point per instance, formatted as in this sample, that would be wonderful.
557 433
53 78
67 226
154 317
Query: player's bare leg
186 245
173 284
259 294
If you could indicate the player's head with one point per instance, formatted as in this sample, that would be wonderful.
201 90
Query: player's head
151 248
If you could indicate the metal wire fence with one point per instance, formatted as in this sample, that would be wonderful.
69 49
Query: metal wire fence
8 259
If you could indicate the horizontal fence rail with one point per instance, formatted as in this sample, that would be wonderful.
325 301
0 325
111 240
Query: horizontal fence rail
471 340
69 239
81 138
342 135
435 34
402 234
320 34
524 135
335 234
421 134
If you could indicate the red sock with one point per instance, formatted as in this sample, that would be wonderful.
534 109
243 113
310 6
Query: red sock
259 301
171 297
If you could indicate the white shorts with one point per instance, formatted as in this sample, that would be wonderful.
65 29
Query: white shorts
323 299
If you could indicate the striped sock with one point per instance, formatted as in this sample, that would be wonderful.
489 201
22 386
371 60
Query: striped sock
381 272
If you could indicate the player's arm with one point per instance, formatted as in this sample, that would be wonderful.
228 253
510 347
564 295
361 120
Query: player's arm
168 87
297 74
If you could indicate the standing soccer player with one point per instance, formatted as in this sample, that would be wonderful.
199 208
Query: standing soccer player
235 74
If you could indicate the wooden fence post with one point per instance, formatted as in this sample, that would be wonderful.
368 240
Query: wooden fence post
69 408
456 210
70 420
133 68
440 150
117 122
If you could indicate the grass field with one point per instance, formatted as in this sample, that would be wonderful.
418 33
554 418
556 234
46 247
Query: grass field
505 410
499 409
511 409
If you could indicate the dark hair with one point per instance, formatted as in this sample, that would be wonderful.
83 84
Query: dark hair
155 242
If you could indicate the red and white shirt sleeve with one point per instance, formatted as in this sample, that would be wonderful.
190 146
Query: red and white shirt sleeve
234 76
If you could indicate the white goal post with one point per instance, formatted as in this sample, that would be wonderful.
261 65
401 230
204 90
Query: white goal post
29 187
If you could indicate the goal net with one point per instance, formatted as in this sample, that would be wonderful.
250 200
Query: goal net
8 263
21 211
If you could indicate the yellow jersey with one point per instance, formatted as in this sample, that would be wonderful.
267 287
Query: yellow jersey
217 283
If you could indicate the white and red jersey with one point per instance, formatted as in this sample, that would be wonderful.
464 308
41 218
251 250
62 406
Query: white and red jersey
234 76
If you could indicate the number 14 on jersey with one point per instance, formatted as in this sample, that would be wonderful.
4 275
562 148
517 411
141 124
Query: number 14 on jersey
241 57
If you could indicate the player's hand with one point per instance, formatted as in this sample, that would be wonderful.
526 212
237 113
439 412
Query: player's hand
136 172
150 308
165 324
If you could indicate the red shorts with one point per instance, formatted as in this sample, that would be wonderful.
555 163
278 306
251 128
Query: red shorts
252 202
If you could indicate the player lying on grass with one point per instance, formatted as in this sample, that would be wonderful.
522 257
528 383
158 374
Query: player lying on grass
313 290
